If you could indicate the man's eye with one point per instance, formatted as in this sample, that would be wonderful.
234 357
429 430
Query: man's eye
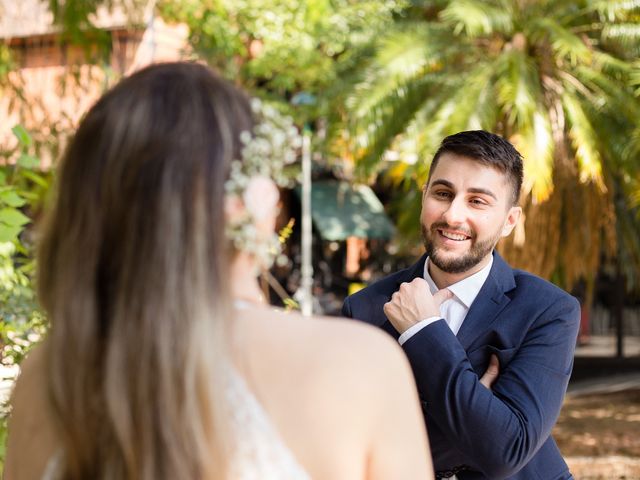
442 194
478 201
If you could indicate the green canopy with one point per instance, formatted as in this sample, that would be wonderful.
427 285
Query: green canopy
340 210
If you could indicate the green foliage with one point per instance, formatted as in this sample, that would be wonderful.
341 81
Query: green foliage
279 48
76 19
22 188
6 61
22 324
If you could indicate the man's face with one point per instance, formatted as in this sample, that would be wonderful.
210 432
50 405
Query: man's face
466 209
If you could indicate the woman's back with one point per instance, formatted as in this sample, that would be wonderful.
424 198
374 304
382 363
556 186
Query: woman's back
339 394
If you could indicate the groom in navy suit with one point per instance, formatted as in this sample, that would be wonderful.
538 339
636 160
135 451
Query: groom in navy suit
461 309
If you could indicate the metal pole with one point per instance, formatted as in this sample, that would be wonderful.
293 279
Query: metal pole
152 28
619 312
306 299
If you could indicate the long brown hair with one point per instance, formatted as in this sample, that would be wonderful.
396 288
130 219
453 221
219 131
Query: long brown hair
133 266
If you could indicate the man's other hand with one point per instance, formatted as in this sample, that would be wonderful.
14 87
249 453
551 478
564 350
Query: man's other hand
491 375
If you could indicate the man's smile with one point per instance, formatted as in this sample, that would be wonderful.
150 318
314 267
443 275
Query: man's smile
453 235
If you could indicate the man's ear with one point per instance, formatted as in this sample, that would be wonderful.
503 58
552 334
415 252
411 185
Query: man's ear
425 187
512 219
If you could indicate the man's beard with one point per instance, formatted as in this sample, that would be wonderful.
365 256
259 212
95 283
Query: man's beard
464 262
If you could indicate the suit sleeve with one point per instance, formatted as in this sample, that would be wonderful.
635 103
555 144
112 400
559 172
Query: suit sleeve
499 430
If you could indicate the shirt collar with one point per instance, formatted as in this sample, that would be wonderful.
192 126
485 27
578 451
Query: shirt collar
467 289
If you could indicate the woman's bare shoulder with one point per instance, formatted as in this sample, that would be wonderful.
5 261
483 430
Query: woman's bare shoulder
31 439
355 337
30 384
330 344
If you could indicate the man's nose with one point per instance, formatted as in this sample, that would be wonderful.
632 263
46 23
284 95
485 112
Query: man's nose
455 214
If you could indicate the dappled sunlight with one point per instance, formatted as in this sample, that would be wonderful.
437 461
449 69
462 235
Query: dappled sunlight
600 425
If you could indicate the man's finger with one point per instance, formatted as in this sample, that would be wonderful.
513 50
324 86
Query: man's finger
491 375
385 307
441 296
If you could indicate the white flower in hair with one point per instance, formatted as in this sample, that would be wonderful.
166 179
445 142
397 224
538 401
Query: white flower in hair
260 197
266 153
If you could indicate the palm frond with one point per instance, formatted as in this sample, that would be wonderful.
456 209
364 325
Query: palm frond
611 64
584 140
462 103
517 87
420 140
374 131
615 10
608 93
566 44
625 33
402 54
635 78
535 143
477 18
632 148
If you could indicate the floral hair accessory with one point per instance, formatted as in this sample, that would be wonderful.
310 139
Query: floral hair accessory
266 153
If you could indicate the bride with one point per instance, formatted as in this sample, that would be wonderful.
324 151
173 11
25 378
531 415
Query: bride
163 361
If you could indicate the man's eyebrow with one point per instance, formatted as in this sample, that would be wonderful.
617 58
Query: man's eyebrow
448 184
443 182
483 191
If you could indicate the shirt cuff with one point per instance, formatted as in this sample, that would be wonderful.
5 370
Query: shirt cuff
411 331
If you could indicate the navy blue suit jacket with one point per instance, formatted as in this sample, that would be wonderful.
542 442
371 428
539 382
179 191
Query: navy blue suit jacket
531 325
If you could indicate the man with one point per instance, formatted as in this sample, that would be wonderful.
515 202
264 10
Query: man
461 308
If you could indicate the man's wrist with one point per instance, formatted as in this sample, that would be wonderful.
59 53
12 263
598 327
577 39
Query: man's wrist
412 330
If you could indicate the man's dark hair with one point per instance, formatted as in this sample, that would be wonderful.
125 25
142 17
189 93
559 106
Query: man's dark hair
488 149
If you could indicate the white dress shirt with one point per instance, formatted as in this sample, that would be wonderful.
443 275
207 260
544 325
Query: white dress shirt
453 310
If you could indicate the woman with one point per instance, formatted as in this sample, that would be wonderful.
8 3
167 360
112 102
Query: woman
162 360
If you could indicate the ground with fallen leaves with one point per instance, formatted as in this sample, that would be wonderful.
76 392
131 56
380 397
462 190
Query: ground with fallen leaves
599 435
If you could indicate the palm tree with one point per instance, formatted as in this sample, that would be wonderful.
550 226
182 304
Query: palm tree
556 77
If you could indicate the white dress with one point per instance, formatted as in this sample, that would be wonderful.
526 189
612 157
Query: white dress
259 452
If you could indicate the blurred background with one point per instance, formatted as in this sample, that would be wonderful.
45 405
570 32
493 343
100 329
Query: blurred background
375 85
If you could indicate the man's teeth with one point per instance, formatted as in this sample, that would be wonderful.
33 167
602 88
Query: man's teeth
454 236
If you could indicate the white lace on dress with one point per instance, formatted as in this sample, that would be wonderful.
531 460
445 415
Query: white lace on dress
259 451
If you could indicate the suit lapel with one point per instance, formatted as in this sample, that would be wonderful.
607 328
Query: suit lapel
415 271
489 303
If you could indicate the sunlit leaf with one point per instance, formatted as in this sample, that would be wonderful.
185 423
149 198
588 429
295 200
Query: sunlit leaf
536 146
583 138
565 43
12 217
28 161
517 87
11 198
35 178
476 17
626 33
613 10
22 135
9 233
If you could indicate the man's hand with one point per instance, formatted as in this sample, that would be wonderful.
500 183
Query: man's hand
412 303
491 375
